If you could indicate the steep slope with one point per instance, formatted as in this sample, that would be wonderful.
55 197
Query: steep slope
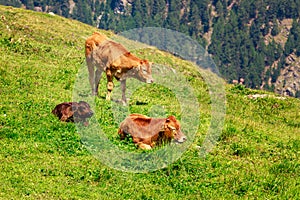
41 55
232 31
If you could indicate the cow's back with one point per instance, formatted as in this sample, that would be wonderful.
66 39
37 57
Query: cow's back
112 54
141 126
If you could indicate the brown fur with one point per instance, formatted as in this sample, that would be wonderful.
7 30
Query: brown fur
116 61
147 132
73 112
93 41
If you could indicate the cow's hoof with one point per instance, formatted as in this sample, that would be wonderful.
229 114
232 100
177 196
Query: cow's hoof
86 124
107 98
124 103
145 146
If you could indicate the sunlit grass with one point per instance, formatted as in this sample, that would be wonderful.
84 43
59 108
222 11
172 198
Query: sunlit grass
256 157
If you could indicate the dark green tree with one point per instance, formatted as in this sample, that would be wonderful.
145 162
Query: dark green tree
29 4
194 19
243 14
158 12
14 3
82 12
255 33
275 28
173 18
140 13
220 9
289 45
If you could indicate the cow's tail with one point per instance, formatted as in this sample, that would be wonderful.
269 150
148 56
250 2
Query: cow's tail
89 47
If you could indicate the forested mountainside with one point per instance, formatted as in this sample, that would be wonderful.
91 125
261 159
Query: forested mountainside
257 40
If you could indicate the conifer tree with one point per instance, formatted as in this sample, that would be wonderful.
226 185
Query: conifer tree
158 12
275 29
289 45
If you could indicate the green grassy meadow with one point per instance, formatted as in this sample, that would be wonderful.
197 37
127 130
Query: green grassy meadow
256 155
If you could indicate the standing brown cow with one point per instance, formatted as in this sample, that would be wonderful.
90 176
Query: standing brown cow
116 61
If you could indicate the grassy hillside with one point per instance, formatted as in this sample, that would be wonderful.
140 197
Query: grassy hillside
257 155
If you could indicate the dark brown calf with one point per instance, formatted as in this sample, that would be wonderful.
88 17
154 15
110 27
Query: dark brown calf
73 112
147 132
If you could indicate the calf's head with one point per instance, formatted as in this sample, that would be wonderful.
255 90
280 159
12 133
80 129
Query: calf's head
82 110
173 130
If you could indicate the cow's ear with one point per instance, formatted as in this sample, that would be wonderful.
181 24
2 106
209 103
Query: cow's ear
146 62
172 118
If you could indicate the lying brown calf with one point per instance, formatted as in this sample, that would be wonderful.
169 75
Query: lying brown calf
147 132
73 112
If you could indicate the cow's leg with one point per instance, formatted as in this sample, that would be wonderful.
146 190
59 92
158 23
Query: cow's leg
91 74
144 146
110 84
97 78
66 114
85 123
123 88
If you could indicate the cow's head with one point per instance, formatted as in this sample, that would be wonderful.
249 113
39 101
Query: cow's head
173 130
144 71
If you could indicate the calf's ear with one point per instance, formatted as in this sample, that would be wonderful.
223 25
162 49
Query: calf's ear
74 107
83 102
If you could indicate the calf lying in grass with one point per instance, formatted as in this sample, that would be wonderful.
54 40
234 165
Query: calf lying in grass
73 112
147 132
